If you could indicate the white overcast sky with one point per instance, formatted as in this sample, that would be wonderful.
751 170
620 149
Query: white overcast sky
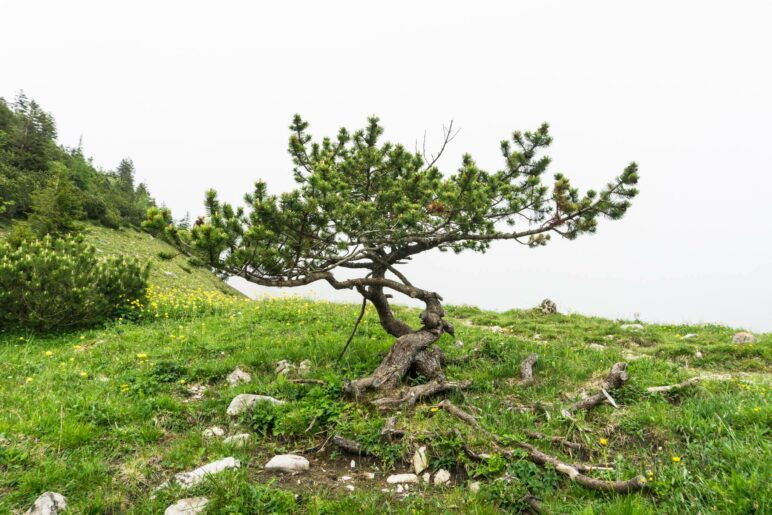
200 94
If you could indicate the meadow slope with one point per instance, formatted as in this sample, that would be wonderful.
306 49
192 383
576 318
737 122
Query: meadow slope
104 416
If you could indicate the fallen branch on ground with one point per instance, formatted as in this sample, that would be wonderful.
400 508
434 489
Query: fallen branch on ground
540 458
560 441
389 433
615 379
307 381
415 393
684 384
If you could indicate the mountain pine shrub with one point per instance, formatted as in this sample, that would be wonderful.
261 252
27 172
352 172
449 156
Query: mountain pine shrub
58 283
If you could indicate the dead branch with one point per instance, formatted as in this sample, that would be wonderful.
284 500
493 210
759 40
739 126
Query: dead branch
415 393
684 384
389 433
540 458
526 370
615 379
559 441
533 502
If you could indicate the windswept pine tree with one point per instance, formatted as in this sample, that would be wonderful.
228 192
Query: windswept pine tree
366 206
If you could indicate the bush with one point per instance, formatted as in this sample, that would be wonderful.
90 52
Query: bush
56 283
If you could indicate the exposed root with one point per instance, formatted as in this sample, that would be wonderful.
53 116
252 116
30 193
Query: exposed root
560 442
533 503
540 458
349 446
684 384
307 381
526 370
389 433
413 394
615 379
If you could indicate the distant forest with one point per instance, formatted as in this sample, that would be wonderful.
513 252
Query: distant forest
37 174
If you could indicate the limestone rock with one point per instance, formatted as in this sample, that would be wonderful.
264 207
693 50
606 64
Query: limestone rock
188 506
238 376
743 337
284 367
420 461
49 503
497 329
690 336
597 346
548 307
194 477
631 327
246 401
426 477
287 463
210 432
239 440
304 367
474 486
441 477
402 478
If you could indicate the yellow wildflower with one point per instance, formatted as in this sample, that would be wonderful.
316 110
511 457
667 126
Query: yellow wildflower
141 355
434 409
84 374
676 459
603 441
29 379
49 353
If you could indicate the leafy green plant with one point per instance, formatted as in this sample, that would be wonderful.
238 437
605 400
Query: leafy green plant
56 283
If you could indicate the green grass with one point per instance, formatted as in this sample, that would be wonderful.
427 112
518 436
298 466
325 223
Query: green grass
83 415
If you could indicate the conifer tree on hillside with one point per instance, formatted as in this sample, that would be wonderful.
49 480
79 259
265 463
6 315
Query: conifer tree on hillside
365 207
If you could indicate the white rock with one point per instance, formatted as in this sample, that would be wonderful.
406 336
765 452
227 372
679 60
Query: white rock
441 477
245 401
631 327
497 329
350 488
304 367
284 367
238 376
49 503
345 478
402 478
426 477
597 346
209 432
537 336
699 355
459 344
400 489
743 337
287 463
353 464
690 336
239 440
474 486
368 475
170 274
189 506
419 460
194 477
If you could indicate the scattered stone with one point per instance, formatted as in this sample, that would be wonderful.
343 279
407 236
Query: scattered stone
368 475
441 477
284 367
304 367
609 336
743 337
196 392
287 463
427 477
699 355
631 327
690 336
402 478
353 464
548 307
239 440
246 401
345 478
597 346
350 488
537 336
474 486
213 431
49 503
497 329
170 274
194 477
459 344
189 506
238 376
420 461
400 489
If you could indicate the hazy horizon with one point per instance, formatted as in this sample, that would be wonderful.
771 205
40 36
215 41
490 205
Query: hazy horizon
201 96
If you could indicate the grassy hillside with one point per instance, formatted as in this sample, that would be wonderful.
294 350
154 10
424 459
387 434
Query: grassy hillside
105 416
168 269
